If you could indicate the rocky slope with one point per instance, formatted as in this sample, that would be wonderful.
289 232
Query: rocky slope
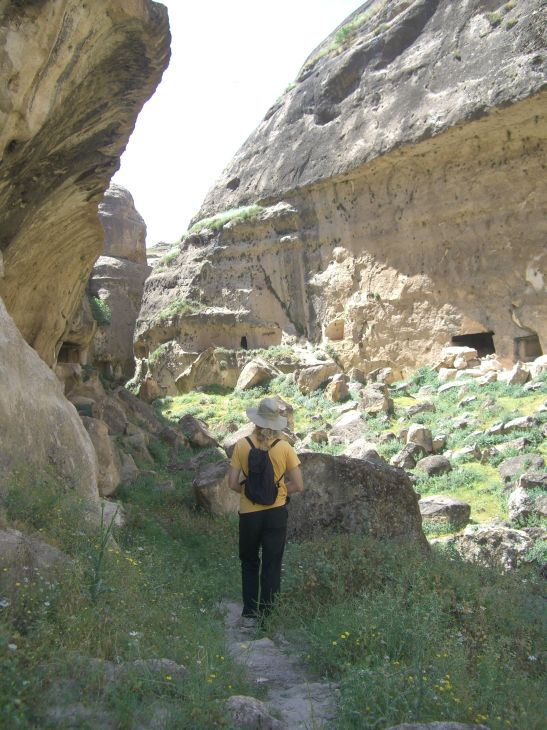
117 281
75 77
400 193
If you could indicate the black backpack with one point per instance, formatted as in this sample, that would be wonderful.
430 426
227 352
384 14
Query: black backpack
260 484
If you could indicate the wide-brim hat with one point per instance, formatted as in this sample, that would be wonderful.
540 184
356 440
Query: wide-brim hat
267 415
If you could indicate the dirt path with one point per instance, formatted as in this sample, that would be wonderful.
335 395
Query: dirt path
302 703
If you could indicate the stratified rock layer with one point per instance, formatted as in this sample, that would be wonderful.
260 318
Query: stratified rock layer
403 196
75 77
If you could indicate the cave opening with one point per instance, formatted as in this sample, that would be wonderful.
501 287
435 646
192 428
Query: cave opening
243 343
69 352
482 342
527 348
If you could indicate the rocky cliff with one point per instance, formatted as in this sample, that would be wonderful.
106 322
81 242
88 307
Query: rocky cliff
75 75
392 201
117 283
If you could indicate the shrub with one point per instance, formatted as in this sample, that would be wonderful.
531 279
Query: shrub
247 212
102 314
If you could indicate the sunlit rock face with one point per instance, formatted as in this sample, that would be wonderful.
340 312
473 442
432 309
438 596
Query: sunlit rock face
74 77
403 192
118 281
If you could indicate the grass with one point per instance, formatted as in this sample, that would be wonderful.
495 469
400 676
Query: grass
159 594
176 309
101 312
165 261
214 223
408 637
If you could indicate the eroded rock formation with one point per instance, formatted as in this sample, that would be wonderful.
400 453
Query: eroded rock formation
401 198
75 75
117 281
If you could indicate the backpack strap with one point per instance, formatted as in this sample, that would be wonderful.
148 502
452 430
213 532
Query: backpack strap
247 438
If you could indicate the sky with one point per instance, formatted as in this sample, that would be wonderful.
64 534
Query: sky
231 59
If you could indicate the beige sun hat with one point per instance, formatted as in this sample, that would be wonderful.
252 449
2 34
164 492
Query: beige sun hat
267 415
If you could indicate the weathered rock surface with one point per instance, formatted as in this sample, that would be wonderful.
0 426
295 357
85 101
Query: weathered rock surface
434 465
212 491
437 726
22 552
493 545
77 74
441 508
255 372
353 495
118 281
379 176
40 430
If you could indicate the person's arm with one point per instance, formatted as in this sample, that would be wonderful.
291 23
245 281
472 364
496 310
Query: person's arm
233 480
294 481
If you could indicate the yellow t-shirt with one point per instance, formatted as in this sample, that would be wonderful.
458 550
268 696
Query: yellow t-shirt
283 458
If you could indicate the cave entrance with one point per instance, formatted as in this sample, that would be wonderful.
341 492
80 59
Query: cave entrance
482 342
244 344
69 352
527 348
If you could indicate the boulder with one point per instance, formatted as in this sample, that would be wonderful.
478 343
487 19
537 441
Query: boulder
137 442
21 552
538 366
447 375
319 437
374 399
311 378
196 431
348 428
337 390
248 713
441 508
520 504
388 376
407 457
422 407
129 471
533 480
255 372
211 489
113 511
418 434
513 467
356 376
40 430
107 456
450 354
362 449
355 496
434 465
439 442
231 440
518 375
495 545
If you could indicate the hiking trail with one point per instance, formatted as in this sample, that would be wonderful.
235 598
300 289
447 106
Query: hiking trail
302 704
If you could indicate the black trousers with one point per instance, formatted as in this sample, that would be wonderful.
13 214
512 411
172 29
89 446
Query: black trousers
266 530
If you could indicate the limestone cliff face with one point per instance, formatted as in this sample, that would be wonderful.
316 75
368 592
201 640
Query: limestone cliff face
74 77
402 189
118 281
40 430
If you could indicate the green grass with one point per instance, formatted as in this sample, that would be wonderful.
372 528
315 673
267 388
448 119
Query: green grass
102 314
214 223
412 639
159 598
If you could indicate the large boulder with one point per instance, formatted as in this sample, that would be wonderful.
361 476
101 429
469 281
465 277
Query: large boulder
418 434
348 428
196 431
434 465
337 390
375 399
311 378
510 469
41 431
353 495
211 489
81 73
441 508
495 545
24 552
255 372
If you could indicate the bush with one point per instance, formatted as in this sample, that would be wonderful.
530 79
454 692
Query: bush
102 314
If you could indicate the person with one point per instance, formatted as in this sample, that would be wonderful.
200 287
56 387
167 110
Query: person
263 527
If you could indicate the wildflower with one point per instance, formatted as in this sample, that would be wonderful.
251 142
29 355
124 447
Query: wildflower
4 603
12 647
532 658
334 643
168 677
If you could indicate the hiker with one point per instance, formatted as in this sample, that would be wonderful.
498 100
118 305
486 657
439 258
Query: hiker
263 517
